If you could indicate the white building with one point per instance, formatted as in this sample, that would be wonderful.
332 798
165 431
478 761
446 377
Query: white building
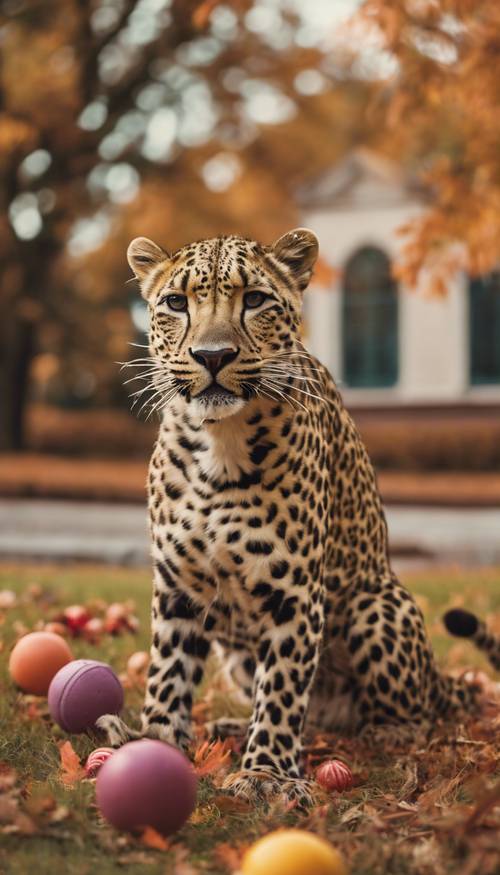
387 345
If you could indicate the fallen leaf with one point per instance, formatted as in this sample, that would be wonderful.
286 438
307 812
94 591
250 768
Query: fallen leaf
71 771
40 805
182 866
152 839
484 804
8 777
201 814
227 855
231 804
13 819
211 757
59 814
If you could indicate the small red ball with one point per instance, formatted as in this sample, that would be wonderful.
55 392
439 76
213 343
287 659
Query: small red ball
76 616
334 775
96 759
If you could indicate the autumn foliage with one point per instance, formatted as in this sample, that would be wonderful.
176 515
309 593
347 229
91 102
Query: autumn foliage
112 118
441 107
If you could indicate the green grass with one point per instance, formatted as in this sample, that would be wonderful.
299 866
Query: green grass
371 824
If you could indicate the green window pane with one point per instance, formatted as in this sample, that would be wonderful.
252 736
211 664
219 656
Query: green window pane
370 321
484 326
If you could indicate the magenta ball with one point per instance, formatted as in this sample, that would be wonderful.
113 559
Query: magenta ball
81 692
147 783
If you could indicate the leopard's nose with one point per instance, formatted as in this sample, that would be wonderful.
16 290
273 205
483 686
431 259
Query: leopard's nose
214 359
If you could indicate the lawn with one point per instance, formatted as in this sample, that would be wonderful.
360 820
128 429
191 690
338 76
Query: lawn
429 806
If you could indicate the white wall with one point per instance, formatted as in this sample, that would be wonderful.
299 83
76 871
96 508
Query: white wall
433 341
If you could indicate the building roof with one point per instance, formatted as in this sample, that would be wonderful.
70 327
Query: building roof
361 180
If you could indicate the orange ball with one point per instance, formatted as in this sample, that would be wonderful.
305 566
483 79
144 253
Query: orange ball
292 852
35 660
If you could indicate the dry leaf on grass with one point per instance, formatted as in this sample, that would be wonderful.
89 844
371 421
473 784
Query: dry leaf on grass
489 800
210 758
8 778
182 866
231 804
153 839
71 771
12 819
228 856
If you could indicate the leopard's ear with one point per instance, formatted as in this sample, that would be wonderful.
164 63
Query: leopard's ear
298 250
143 256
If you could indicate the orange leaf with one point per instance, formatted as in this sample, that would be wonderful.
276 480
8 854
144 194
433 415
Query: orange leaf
71 770
202 12
227 855
210 758
152 839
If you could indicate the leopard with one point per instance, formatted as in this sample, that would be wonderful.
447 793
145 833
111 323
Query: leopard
269 540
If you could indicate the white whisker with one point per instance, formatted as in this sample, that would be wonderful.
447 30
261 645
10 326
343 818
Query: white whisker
303 392
283 394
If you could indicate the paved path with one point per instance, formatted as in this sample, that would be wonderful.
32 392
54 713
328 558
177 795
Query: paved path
64 530
73 530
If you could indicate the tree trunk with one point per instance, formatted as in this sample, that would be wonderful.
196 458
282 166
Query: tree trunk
17 348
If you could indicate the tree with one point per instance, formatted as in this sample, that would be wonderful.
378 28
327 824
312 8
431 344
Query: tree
93 97
440 107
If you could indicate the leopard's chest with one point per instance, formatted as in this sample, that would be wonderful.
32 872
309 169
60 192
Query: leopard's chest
202 536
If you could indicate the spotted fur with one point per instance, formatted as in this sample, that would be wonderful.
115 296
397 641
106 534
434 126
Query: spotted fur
268 536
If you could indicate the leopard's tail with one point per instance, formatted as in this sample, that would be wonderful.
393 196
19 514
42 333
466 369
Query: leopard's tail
463 624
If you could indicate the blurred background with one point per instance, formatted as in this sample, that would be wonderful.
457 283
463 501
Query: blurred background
375 123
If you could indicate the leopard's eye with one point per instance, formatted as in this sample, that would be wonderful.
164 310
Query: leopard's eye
252 300
176 302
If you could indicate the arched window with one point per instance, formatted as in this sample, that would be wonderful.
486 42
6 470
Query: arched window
370 321
484 322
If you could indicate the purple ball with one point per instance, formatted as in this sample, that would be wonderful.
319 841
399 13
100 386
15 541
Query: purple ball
147 783
82 691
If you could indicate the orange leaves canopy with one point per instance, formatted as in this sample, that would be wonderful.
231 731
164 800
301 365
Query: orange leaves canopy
441 108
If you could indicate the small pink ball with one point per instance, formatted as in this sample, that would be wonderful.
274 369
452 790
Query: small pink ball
334 775
138 662
81 692
93 630
96 759
147 783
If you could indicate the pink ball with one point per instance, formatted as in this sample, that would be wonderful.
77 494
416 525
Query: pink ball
334 775
81 692
147 783
96 759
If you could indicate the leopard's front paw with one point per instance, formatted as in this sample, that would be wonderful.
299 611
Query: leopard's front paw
117 731
263 784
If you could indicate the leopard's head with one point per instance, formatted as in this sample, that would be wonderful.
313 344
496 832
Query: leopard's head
225 317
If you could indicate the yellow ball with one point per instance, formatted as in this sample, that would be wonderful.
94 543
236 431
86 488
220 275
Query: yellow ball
292 852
